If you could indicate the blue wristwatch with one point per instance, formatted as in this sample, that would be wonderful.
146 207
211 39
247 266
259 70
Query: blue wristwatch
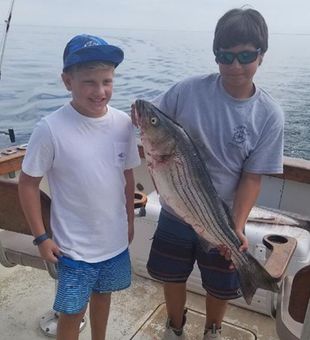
38 240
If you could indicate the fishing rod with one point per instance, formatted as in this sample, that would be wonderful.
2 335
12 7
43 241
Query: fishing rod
7 21
9 132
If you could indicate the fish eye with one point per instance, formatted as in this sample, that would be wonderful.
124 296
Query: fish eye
154 121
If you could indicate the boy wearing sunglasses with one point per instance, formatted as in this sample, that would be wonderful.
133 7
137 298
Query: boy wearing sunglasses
240 126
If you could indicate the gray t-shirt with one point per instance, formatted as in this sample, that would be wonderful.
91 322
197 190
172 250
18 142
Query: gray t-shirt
236 135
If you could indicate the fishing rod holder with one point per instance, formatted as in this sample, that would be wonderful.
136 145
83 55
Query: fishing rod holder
10 133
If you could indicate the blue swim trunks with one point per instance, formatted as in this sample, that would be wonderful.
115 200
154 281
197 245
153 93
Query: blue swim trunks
176 247
78 279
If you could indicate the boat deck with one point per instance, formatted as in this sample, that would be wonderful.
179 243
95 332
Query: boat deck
136 313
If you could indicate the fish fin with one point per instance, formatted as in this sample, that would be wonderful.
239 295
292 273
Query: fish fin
202 149
152 178
205 245
229 215
253 275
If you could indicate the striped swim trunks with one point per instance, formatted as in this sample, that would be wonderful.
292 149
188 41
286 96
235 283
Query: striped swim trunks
176 247
78 279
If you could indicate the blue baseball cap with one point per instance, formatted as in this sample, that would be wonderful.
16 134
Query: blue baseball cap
86 48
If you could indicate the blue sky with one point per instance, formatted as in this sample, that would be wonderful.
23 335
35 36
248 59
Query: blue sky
282 16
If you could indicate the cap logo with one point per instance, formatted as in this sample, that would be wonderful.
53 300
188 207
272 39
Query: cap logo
91 43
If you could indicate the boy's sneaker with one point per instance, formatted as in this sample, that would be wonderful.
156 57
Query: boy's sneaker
177 331
212 333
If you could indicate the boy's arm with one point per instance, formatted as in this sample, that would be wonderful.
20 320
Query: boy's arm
130 197
246 195
29 195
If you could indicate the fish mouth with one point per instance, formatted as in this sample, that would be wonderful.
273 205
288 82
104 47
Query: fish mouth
140 107
143 110
139 104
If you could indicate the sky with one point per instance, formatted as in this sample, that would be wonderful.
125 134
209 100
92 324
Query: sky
282 16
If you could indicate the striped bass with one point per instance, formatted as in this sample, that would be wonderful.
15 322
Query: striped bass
182 179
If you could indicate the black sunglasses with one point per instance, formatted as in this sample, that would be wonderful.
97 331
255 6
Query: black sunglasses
243 57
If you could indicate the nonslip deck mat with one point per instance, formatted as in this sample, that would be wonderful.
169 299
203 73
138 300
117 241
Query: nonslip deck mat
154 328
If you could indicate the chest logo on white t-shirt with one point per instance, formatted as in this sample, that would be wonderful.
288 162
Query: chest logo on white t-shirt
120 153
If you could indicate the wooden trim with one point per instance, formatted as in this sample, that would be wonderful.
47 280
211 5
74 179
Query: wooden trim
11 163
282 249
295 169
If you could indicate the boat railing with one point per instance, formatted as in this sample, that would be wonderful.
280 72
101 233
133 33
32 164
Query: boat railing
295 169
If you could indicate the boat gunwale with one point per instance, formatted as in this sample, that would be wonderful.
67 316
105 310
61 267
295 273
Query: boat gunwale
294 169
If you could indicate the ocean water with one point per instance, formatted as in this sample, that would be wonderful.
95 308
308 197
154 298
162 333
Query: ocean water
31 86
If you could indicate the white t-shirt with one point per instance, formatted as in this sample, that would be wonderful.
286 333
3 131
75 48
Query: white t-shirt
235 135
84 159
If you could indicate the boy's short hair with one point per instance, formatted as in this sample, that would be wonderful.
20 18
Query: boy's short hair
241 26
86 48
90 65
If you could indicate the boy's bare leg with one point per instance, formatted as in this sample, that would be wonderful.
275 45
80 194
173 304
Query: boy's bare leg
99 308
68 327
215 309
175 296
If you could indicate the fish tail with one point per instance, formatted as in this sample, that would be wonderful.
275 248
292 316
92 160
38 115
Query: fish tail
253 275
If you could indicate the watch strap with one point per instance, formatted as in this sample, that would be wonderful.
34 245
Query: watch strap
38 240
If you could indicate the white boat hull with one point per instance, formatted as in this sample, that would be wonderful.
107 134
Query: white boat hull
263 301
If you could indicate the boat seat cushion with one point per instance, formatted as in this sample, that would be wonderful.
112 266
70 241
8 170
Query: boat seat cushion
300 294
292 305
11 214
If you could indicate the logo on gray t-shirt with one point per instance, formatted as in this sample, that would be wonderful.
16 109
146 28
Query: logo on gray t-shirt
240 134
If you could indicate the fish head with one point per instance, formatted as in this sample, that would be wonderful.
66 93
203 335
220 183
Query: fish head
156 130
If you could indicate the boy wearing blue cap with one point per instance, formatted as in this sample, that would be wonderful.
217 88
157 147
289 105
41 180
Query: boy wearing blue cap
87 149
